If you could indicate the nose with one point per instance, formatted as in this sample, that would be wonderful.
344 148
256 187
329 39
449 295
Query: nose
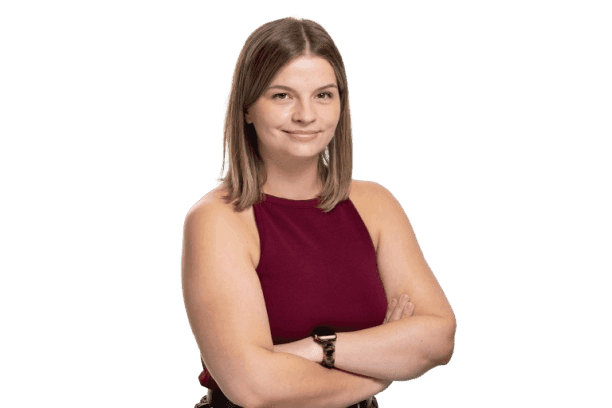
303 113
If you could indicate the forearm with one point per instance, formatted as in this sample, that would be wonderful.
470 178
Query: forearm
294 382
397 351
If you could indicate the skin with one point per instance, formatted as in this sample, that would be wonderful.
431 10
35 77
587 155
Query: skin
298 99
307 348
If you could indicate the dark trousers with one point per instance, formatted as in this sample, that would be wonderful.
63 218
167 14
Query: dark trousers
216 399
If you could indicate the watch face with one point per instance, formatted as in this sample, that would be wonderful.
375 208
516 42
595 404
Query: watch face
326 338
324 333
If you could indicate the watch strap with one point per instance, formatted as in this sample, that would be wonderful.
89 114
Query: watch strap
326 337
329 348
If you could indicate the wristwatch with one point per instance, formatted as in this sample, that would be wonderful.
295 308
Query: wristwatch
326 337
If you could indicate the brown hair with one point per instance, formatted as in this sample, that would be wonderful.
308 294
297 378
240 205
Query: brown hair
264 53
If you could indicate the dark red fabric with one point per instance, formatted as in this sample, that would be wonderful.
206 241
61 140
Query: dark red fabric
315 269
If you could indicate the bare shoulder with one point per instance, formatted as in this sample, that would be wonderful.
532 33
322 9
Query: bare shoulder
212 202
368 197
371 189
358 188
211 211
374 197
212 208
216 270
206 215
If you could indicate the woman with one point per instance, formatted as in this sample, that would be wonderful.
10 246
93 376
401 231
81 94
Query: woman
290 268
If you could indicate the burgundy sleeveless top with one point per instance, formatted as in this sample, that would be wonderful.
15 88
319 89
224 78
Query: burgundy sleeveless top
315 269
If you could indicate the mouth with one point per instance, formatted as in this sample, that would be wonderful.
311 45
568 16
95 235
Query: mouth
302 132
303 136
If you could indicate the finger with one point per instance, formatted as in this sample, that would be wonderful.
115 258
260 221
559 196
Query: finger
399 309
390 309
408 309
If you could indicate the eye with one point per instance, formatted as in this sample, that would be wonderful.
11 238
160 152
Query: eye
282 95
325 95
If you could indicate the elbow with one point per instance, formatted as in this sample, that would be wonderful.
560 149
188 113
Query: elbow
242 386
443 344
255 400
253 403
447 342
447 354
429 361
254 394
238 388
438 353
245 399
242 397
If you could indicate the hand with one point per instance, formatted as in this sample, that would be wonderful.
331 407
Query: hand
395 311
308 349
399 310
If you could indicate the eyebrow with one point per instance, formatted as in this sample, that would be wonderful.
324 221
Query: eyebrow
290 89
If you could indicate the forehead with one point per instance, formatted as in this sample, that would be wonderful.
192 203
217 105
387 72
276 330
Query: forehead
304 71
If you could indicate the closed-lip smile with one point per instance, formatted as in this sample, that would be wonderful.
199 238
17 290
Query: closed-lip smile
302 132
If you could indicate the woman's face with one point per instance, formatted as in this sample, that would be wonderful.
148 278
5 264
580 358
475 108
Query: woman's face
297 115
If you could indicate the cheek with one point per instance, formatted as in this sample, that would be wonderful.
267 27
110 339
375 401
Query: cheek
273 116
333 116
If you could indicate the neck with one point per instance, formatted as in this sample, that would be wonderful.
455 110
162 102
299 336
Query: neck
297 184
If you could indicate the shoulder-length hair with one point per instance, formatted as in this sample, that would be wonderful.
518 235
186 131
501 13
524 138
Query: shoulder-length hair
264 53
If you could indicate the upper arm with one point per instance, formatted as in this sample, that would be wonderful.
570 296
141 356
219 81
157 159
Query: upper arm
224 299
401 263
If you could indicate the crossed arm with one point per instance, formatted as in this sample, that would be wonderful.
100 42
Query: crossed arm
403 347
